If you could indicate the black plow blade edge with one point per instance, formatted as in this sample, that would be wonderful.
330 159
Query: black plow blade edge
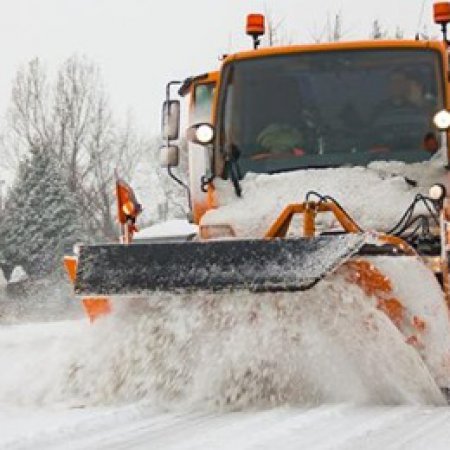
255 265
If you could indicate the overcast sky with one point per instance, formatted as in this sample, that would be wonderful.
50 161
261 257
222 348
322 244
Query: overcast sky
140 44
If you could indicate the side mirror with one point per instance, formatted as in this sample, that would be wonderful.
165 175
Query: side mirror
201 133
169 156
170 127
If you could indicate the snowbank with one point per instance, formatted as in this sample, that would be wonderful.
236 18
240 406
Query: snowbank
376 196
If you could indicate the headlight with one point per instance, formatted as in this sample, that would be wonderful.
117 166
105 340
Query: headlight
205 134
442 120
201 133
437 192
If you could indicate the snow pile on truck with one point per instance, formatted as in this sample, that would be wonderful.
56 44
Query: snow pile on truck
376 196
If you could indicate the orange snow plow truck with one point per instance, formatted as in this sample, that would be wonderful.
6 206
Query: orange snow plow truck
304 161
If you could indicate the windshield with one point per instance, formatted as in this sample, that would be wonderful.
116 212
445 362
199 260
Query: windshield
332 108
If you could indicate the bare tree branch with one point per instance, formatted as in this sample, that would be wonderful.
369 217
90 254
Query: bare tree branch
72 119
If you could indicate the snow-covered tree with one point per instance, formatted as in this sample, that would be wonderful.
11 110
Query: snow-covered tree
71 117
40 216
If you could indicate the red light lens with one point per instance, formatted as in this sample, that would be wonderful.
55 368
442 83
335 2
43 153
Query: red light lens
442 12
255 24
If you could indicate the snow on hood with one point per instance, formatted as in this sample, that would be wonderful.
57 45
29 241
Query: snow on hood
171 228
375 196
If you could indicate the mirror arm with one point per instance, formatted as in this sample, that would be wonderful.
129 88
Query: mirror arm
169 85
181 183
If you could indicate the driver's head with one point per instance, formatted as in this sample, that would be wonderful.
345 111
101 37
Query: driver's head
399 86
416 90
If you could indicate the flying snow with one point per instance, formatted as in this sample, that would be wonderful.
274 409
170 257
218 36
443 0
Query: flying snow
221 351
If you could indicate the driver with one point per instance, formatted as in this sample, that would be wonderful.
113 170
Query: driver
400 121
287 125
400 96
281 139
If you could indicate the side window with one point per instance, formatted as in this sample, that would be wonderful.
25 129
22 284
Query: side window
202 106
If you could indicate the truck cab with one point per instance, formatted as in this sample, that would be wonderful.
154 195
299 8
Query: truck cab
286 109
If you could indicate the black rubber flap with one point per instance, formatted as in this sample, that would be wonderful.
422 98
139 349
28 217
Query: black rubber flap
255 265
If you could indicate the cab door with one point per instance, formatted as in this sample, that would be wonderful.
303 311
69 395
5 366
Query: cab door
202 95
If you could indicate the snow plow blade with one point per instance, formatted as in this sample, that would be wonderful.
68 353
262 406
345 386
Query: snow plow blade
254 265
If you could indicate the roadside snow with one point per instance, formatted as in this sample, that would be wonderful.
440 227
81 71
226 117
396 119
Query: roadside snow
33 360
18 275
3 280
376 197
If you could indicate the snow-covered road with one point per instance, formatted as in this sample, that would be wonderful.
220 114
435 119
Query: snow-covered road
137 427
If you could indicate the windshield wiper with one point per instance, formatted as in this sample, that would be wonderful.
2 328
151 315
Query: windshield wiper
293 169
233 169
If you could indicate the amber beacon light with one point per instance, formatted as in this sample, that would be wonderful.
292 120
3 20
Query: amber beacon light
442 16
256 26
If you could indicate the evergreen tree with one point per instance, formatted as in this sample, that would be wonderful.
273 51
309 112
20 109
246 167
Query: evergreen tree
40 216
